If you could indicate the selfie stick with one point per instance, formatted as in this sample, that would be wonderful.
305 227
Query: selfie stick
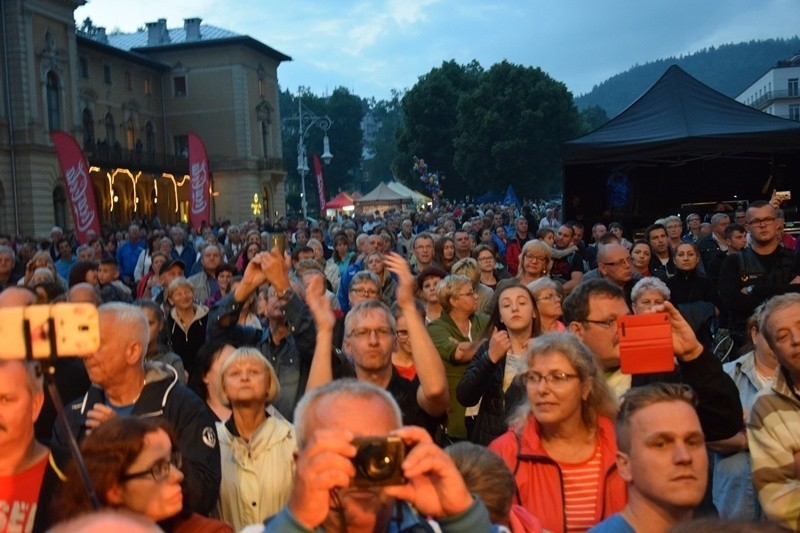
49 375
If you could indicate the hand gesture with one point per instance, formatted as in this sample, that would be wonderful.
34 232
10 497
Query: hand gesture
275 268
684 341
253 275
319 304
499 344
435 487
406 287
324 464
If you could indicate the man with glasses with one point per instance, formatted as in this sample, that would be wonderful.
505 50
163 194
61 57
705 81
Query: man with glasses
755 274
693 222
591 313
124 385
369 340
614 264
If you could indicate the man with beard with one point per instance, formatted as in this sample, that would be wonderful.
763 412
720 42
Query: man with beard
327 420
757 273
569 269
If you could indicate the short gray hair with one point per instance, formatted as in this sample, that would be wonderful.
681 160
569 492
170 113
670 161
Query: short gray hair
649 283
129 320
776 303
338 388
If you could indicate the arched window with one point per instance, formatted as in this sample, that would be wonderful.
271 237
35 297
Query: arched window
60 206
88 129
131 134
53 107
111 134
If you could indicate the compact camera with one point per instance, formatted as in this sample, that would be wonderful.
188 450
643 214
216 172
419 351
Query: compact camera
378 461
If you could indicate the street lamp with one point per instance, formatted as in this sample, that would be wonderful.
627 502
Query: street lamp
306 121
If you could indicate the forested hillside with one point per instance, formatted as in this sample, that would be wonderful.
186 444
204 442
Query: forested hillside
728 68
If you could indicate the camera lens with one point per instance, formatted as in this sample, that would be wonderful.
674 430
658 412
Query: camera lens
374 462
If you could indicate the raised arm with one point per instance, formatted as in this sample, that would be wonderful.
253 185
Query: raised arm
321 371
432 394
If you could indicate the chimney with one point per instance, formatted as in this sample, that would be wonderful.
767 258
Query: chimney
192 27
100 35
157 33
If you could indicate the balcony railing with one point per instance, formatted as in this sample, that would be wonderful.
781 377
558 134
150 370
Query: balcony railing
775 95
117 157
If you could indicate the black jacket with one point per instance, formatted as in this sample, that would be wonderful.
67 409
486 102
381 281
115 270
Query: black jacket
163 396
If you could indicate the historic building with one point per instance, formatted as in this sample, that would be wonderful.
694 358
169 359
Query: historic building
130 100
777 91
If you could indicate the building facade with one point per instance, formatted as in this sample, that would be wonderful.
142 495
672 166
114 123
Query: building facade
130 100
777 92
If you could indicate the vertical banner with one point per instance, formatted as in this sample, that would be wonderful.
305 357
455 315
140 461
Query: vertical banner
320 185
75 173
200 201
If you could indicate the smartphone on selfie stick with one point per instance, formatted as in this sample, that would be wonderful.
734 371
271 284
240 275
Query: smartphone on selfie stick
44 333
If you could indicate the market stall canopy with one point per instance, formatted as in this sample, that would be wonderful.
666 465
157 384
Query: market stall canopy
381 198
417 197
340 201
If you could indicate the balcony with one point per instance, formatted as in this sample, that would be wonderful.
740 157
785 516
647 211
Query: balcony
151 162
772 96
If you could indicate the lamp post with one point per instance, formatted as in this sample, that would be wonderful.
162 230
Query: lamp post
307 120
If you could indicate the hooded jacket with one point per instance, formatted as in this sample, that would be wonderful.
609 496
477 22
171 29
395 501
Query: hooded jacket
164 397
540 486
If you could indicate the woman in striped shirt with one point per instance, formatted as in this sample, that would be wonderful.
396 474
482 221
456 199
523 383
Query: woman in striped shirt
561 445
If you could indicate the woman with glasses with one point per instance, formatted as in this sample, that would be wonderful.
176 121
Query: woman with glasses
135 466
561 443
256 443
457 335
512 323
534 261
547 293
487 264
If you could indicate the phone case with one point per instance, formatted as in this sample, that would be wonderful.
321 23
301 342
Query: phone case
12 333
645 344
77 328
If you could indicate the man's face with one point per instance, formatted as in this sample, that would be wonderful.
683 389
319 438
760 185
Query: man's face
737 241
667 463
363 417
107 274
693 222
763 225
659 242
6 264
578 235
462 242
362 291
370 340
599 333
134 234
174 272
211 259
20 408
64 250
497 220
107 364
423 249
522 226
783 326
724 222
374 244
178 237
674 229
406 227
598 231
740 216
234 235
564 237
616 264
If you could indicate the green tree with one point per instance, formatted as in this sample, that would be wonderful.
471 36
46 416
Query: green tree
346 111
593 117
429 115
510 129
382 149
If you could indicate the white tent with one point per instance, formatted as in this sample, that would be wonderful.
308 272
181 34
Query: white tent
418 198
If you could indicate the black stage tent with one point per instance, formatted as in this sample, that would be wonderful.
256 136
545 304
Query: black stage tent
681 142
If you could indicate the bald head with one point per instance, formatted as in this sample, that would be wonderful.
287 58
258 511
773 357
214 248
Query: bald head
17 297
83 293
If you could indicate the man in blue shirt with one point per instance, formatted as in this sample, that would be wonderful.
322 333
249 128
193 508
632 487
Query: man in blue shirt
128 254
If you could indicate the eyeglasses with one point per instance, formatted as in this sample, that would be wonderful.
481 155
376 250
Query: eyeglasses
365 333
160 470
469 293
402 333
486 259
622 262
369 293
539 258
549 297
762 221
555 379
607 323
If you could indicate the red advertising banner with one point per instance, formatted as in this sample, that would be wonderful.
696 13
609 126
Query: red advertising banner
320 185
200 201
75 173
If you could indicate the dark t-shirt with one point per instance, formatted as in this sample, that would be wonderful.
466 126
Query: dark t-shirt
563 268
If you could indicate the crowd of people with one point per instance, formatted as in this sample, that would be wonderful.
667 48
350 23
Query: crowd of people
234 378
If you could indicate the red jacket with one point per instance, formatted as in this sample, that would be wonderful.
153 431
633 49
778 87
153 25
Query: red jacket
539 482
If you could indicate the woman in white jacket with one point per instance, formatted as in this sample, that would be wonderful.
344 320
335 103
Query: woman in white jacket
256 443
